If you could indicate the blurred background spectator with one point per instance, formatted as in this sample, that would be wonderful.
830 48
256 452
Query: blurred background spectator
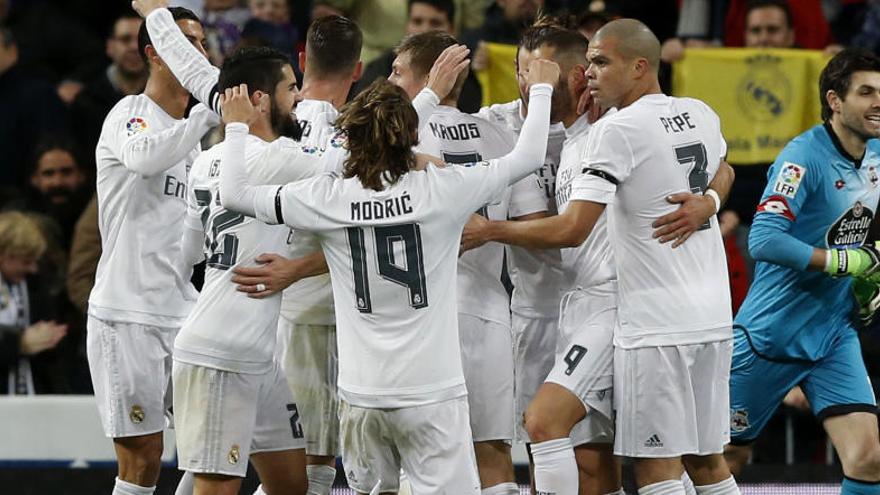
425 15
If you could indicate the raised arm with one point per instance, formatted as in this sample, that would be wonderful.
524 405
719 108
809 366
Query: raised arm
236 193
187 64
151 153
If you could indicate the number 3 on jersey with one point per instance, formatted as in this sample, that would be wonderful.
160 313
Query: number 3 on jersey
410 274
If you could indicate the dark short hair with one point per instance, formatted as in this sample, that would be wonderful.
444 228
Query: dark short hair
333 45
6 36
52 142
837 75
177 13
424 49
445 6
260 67
779 4
558 32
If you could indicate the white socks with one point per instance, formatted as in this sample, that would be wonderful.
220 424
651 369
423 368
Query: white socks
668 487
126 488
321 479
688 484
501 489
725 487
618 492
185 485
555 468
258 491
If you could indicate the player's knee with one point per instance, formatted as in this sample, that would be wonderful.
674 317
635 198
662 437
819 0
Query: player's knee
541 426
862 462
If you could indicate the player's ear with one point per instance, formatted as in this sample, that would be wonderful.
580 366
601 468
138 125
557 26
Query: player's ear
833 100
256 98
302 61
577 77
358 71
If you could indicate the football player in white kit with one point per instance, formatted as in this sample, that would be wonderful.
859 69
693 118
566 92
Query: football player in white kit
142 289
674 307
483 303
231 399
307 328
372 220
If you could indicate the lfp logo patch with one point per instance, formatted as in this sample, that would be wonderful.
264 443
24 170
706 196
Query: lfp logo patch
135 125
789 180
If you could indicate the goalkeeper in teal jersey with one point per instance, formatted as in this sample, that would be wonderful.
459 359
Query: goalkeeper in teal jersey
796 326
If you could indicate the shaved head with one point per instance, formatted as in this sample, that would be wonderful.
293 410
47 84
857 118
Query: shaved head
633 40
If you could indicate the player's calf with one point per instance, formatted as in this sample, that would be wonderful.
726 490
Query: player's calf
736 457
495 467
710 475
139 458
282 472
216 484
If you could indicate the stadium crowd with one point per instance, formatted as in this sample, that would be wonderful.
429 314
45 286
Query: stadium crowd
65 63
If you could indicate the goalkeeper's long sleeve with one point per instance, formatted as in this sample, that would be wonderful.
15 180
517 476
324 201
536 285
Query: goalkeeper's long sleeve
770 241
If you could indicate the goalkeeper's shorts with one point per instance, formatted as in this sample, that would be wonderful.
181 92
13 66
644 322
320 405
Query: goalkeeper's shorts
835 385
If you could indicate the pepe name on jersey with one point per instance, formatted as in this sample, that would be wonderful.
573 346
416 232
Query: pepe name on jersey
851 229
381 209
460 132
679 123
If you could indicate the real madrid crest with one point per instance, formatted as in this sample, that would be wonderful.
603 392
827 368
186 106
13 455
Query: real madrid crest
136 414
234 455
764 92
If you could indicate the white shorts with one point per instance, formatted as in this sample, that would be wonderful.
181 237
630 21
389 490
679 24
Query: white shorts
221 418
584 359
487 361
130 365
432 443
310 365
534 351
672 400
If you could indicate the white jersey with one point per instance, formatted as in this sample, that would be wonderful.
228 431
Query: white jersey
459 138
392 256
226 329
310 300
591 263
142 159
536 274
657 146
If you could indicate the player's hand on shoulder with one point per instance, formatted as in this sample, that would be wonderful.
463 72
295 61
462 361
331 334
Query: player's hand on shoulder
543 72
677 227
446 69
237 107
474 233
144 7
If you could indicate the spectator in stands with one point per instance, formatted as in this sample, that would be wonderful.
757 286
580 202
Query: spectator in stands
505 22
22 335
54 46
223 21
57 186
767 23
29 108
126 75
270 23
422 16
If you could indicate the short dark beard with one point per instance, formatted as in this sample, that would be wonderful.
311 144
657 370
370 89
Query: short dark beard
283 123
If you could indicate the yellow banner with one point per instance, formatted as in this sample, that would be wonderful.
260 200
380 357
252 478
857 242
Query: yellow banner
764 97
498 80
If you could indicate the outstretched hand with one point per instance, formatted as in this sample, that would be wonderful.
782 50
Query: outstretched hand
144 7
237 107
446 69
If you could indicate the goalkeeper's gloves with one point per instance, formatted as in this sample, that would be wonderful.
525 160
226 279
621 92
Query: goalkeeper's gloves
860 262
867 295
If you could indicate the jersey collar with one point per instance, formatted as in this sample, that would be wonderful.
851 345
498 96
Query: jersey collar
839 146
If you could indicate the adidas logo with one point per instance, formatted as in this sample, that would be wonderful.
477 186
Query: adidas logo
654 441
546 493
352 477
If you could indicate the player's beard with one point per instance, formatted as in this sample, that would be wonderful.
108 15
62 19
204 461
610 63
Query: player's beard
561 103
284 123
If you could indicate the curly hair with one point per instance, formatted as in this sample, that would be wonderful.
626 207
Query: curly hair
381 128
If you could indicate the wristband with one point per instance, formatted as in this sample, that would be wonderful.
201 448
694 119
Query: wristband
714 195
